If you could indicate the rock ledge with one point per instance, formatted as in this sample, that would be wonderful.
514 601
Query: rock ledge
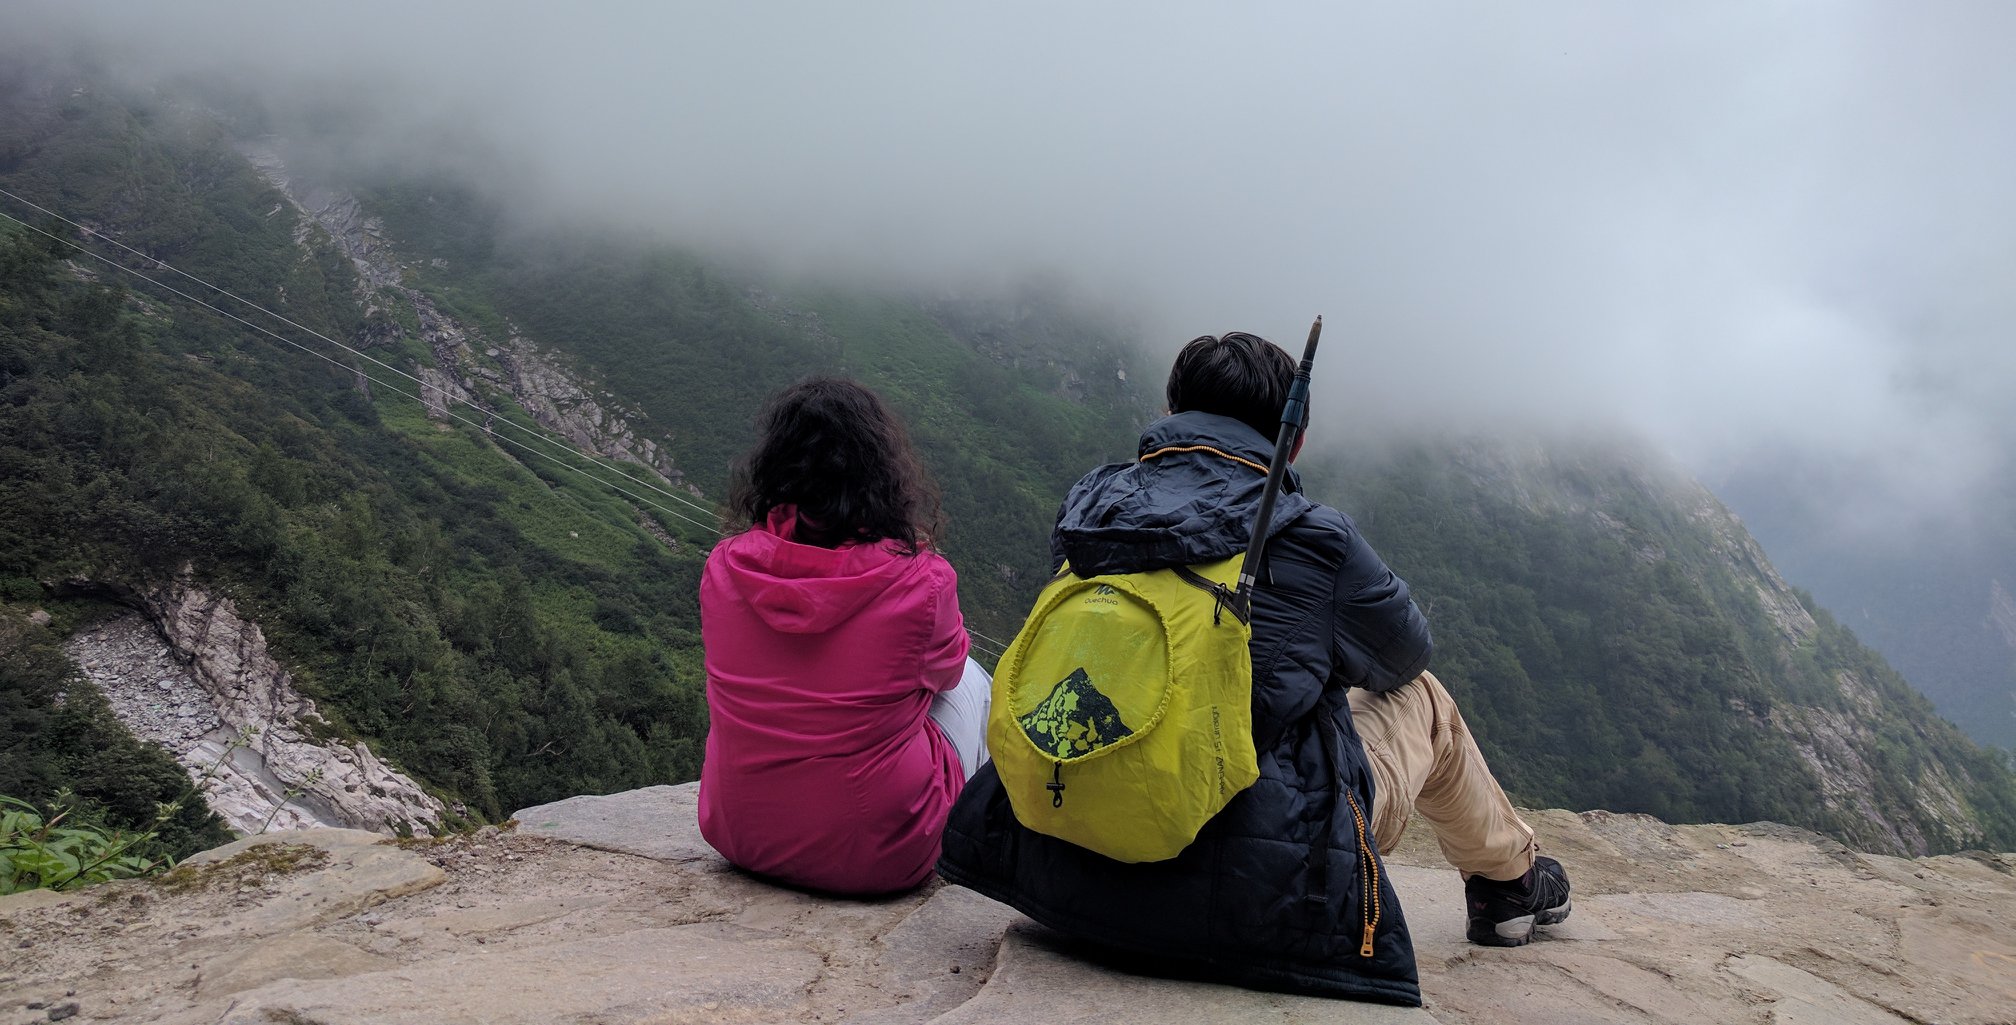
612 910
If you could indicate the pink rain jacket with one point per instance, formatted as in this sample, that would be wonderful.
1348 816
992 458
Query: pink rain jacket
822 769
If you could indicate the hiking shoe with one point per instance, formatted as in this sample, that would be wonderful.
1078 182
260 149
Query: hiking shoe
1503 914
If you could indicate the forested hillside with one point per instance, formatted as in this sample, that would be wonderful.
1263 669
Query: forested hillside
509 631
696 349
501 627
1619 641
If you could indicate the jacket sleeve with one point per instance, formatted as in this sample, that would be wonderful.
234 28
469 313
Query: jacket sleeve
944 661
1379 638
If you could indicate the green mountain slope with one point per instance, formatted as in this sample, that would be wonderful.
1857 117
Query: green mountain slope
510 631
1935 596
503 636
500 626
1619 641
696 349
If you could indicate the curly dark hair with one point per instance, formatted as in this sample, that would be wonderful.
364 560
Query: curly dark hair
834 449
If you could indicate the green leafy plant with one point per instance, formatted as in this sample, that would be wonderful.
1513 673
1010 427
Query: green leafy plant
41 850
38 850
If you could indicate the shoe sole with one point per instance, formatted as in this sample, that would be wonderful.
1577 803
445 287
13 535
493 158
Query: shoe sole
1516 932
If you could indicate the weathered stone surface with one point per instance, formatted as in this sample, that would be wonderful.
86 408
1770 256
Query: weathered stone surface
1662 913
1036 983
1961 956
942 952
299 956
1798 997
655 822
42 900
1672 924
480 921
358 870
694 973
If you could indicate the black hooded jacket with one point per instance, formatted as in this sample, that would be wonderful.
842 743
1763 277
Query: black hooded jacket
1278 889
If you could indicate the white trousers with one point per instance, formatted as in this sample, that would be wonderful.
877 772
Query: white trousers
961 714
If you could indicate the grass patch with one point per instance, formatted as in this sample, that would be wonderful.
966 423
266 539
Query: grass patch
252 865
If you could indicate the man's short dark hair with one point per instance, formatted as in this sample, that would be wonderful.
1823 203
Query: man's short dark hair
1243 376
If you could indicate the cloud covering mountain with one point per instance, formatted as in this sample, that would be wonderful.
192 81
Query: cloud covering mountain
1754 232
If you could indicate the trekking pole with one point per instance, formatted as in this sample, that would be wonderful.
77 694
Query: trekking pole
1293 416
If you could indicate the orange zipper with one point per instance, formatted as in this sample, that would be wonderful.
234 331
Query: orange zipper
1370 904
1200 448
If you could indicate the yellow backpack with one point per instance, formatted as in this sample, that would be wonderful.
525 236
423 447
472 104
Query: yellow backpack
1123 716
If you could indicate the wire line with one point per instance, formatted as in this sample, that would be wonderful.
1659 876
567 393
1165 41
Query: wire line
997 642
991 646
446 397
339 363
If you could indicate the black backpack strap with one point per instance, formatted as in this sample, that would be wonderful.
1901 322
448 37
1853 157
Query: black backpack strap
1224 598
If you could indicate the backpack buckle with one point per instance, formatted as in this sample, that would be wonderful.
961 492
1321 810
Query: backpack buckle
1223 599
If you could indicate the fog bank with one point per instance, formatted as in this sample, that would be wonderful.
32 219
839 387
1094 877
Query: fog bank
1748 230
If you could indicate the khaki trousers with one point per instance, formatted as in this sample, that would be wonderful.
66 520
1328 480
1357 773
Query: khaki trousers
1423 759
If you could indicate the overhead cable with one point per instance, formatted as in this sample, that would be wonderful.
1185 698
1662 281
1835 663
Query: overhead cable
987 645
446 396
339 363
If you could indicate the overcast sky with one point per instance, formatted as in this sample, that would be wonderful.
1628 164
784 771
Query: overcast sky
1738 227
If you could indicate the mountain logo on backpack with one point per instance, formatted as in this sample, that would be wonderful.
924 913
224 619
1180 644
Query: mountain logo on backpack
1075 719
1135 690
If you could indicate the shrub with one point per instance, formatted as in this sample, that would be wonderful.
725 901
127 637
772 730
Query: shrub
39 850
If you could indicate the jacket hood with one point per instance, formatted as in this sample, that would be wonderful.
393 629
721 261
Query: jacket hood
799 588
1189 497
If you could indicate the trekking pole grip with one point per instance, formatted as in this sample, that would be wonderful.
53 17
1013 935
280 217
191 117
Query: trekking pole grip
1295 412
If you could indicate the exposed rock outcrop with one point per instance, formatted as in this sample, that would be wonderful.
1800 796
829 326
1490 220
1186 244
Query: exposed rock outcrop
1734 547
2002 612
1839 740
196 677
1834 744
471 371
612 910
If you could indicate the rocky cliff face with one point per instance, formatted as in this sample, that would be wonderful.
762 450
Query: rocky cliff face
1837 744
1838 739
471 371
2002 613
191 674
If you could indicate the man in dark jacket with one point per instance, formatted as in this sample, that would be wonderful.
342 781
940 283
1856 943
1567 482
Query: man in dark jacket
1284 888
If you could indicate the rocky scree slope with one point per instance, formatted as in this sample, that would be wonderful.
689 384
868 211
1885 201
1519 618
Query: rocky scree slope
189 673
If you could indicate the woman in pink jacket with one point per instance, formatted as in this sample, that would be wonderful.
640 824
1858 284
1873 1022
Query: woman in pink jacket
845 713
